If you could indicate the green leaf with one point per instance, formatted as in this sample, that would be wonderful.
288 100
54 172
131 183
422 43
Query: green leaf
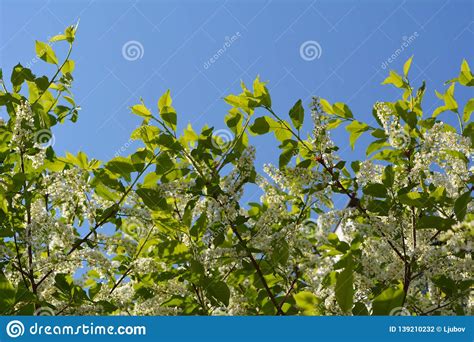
141 110
360 309
189 136
280 130
446 284
434 222
394 79
167 112
234 119
45 52
468 109
261 93
285 157
307 302
94 290
460 206
376 145
152 198
169 116
165 101
388 300
466 78
63 282
407 65
70 32
469 132
449 102
68 67
20 75
218 290
7 294
148 134
297 114
378 206
280 252
326 106
342 110
262 125
438 194
375 189
415 199
57 38
247 103
356 128
333 123
388 176
121 166
344 287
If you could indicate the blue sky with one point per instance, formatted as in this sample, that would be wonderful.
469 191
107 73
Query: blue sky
177 38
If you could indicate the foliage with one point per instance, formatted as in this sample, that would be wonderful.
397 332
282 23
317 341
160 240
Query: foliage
186 243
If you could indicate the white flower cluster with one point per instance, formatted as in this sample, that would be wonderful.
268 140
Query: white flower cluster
68 190
397 137
369 172
295 179
445 150
23 126
321 139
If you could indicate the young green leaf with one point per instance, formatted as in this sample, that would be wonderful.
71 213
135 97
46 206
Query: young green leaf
466 78
141 110
356 128
468 109
297 114
407 65
45 52
394 79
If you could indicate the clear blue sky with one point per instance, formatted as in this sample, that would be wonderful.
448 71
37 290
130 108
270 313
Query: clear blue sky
179 37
